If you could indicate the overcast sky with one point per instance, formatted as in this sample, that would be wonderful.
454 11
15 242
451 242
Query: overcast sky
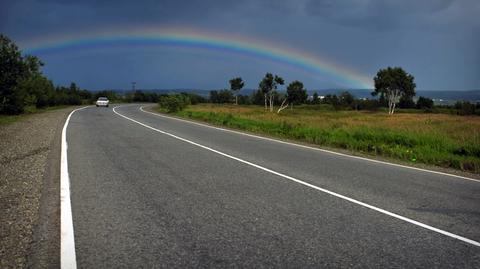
436 41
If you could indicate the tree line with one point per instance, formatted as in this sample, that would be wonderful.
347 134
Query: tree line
267 93
23 87
394 88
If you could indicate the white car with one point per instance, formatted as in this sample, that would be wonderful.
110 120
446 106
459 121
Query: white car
102 101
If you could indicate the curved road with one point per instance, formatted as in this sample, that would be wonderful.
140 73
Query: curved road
152 191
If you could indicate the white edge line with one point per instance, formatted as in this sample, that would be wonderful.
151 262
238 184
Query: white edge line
383 211
312 148
67 240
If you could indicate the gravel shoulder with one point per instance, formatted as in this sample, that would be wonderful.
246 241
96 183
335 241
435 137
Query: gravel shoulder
29 190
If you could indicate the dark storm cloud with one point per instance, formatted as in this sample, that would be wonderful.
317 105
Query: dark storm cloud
75 15
435 40
151 9
381 14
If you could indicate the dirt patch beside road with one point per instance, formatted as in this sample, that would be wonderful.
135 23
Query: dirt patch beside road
29 190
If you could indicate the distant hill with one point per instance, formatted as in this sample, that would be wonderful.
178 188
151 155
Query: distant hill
438 96
167 91
442 97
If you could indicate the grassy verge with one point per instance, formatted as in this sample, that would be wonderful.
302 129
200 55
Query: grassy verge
7 119
437 139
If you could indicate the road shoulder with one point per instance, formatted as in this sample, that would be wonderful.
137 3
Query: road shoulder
29 190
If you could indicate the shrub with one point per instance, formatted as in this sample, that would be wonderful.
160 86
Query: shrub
367 104
194 98
465 108
406 101
221 97
173 102
424 103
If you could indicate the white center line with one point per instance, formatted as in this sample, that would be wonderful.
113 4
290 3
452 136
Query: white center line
383 211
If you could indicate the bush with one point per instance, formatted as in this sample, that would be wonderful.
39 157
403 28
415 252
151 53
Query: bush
221 97
346 99
465 108
406 102
367 104
244 100
424 103
174 102
257 98
194 98
141 96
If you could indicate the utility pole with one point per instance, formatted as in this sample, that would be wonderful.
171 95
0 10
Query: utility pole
133 86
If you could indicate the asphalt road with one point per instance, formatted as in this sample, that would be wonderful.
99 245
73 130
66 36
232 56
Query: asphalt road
142 198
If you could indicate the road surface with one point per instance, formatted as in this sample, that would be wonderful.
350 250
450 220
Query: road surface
151 191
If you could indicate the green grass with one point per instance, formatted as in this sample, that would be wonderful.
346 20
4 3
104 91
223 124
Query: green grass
8 119
443 140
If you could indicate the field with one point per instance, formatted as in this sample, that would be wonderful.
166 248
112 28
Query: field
443 140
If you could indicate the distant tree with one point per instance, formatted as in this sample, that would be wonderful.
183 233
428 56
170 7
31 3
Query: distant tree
424 103
73 88
236 84
382 101
138 96
221 97
85 94
315 99
366 104
225 96
141 96
110 94
195 98
276 81
151 97
213 96
464 108
406 102
458 104
244 100
296 93
268 86
284 104
393 83
331 99
346 99
257 97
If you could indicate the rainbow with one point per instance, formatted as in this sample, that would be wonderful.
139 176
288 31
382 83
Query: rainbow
194 38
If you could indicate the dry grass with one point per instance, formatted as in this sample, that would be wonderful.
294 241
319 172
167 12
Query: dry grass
452 126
